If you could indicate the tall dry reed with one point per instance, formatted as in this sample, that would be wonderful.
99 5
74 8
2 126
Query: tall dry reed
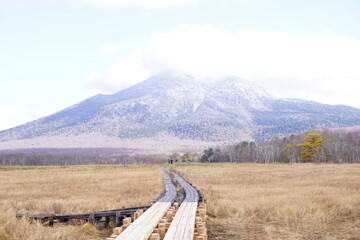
279 201
69 190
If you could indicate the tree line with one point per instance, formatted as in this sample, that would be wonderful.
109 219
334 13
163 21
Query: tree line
326 146
22 159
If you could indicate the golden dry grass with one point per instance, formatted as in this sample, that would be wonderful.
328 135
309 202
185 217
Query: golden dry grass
244 201
71 190
279 201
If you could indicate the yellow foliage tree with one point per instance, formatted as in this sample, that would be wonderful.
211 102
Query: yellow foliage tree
289 153
311 147
188 157
175 157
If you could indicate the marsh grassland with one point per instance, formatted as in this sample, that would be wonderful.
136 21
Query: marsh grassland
245 201
279 201
69 190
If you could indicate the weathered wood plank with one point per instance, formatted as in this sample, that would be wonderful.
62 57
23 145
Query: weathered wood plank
183 224
142 227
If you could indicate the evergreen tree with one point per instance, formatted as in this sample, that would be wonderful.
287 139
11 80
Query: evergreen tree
311 147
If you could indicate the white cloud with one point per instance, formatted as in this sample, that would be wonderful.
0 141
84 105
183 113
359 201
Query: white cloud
121 74
150 4
290 65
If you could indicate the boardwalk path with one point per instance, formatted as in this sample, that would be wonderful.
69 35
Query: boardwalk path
183 224
142 227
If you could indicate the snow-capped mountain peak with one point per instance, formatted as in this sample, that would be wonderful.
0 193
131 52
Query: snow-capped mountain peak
184 106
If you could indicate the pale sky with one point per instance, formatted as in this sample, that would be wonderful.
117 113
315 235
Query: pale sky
55 53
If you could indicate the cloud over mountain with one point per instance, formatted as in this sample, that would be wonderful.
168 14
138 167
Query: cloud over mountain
289 65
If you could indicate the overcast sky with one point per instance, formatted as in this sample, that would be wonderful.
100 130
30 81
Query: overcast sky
55 53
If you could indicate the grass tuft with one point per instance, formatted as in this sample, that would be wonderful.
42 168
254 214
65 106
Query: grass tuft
303 201
70 190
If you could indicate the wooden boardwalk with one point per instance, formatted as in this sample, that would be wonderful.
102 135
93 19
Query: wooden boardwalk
183 225
142 227
161 221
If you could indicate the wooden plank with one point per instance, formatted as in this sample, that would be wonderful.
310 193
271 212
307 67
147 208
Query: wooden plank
142 227
110 213
183 224
146 223
178 224
190 227
182 227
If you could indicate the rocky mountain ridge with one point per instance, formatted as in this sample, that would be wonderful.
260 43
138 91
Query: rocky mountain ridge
177 105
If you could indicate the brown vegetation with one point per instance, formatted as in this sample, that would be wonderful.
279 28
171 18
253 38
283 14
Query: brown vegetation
69 190
245 201
300 201
326 146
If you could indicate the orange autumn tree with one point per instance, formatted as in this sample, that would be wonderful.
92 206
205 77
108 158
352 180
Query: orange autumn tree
311 147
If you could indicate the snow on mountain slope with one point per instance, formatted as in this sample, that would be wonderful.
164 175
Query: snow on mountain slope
182 106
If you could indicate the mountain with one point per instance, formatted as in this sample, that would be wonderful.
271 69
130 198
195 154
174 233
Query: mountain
176 108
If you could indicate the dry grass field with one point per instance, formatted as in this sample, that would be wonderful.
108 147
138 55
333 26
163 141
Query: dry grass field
279 201
245 201
77 189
